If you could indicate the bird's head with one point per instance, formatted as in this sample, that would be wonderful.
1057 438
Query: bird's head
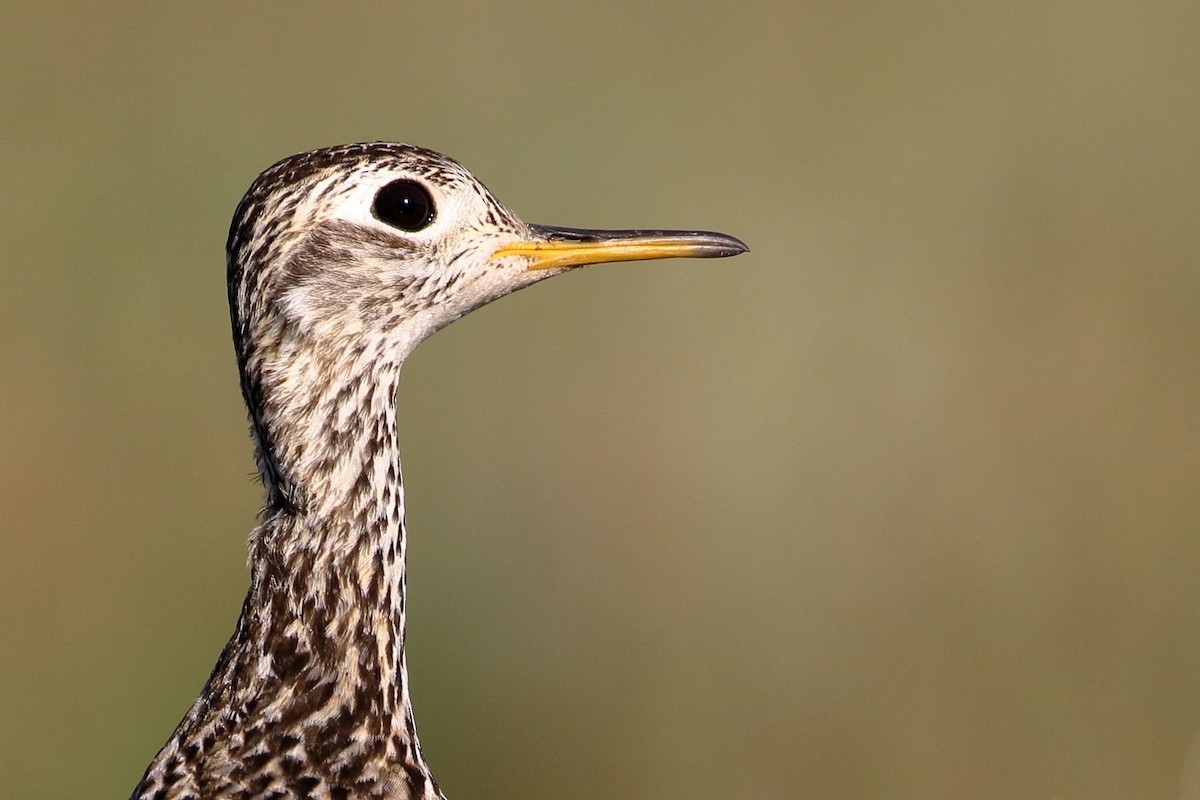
341 260
389 242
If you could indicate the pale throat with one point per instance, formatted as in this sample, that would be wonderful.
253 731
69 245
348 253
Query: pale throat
329 423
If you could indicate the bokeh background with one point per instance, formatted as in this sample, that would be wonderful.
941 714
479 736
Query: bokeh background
902 504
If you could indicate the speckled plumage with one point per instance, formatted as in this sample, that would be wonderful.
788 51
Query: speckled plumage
310 698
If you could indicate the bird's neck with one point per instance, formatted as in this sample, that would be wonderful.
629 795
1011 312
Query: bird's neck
327 599
327 589
316 667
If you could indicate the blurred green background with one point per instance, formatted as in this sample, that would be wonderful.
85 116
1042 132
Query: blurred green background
902 504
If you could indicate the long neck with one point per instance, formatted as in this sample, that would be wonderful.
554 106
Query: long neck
329 574
316 666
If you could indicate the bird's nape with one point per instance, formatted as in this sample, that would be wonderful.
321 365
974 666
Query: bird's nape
340 261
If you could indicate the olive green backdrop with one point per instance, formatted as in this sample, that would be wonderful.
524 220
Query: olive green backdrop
902 504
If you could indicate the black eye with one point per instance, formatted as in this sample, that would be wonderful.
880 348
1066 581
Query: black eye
404 205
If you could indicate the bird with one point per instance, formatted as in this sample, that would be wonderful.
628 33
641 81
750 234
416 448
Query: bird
340 261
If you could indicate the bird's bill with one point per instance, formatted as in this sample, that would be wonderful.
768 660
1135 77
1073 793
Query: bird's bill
555 248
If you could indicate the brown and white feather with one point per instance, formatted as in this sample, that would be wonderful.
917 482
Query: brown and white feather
310 697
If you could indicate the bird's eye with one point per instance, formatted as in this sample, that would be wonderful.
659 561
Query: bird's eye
405 205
